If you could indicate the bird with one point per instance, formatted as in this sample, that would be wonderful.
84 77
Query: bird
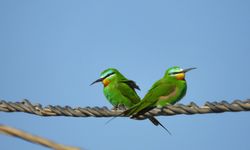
120 91
170 89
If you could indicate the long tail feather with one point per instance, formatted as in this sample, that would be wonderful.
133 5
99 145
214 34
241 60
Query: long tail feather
128 112
131 112
156 123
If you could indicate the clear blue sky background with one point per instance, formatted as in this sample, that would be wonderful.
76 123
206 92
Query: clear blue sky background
50 51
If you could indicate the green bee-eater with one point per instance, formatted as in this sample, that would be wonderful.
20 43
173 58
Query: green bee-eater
120 91
168 90
117 89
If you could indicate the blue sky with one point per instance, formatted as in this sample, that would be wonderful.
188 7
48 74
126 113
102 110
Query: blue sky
50 51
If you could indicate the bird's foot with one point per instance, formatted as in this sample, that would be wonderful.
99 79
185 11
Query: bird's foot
114 108
121 107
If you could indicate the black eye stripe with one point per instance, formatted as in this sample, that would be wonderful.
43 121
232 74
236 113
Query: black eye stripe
108 75
173 73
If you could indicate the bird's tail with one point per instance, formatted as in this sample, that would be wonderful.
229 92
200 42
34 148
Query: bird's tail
129 112
156 123
133 111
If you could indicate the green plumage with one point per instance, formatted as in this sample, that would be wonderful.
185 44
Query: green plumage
120 91
168 90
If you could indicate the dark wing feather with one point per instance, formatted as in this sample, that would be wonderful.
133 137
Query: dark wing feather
131 84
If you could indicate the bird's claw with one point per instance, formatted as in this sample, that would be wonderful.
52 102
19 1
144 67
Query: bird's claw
114 108
119 107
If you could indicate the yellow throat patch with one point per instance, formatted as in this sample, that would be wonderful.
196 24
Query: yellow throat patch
105 82
180 76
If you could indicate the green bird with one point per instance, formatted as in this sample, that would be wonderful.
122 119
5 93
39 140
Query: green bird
168 90
120 91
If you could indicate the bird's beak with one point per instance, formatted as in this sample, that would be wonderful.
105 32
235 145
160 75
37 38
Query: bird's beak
186 70
98 80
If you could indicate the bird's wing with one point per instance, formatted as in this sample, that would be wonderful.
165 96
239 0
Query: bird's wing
131 84
128 92
160 89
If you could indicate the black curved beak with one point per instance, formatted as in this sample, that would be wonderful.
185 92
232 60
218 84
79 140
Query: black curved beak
186 70
98 80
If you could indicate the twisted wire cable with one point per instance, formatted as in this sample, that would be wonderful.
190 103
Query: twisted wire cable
209 107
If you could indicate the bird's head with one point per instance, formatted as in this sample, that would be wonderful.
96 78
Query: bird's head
177 72
108 76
